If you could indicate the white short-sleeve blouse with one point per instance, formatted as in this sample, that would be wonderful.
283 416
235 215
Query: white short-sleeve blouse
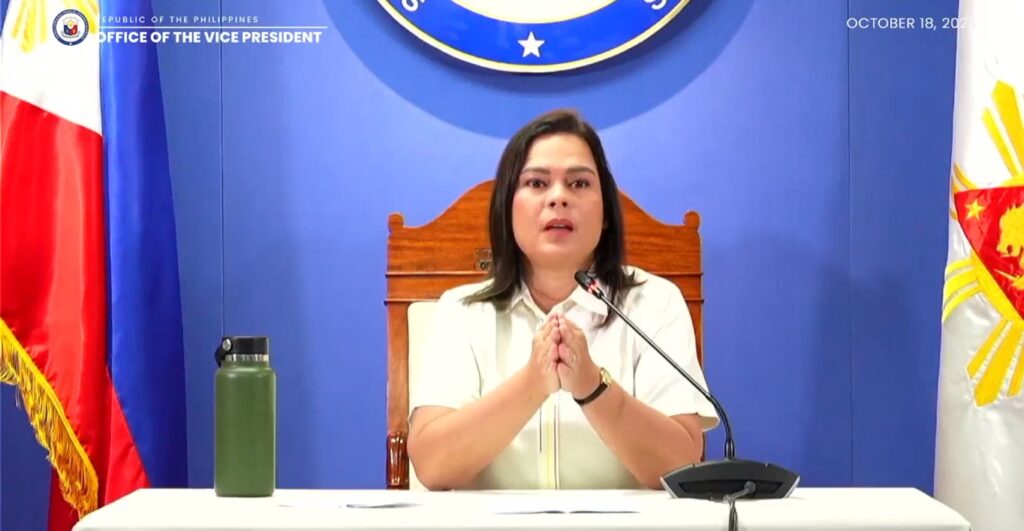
473 348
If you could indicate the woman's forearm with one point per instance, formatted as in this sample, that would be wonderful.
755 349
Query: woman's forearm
648 443
450 449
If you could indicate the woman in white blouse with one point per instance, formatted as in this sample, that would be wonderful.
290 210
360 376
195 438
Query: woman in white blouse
530 382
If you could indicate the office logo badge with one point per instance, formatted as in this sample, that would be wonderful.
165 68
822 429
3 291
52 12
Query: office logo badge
992 221
70 27
533 35
32 23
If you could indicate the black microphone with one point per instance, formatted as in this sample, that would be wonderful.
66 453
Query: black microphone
715 480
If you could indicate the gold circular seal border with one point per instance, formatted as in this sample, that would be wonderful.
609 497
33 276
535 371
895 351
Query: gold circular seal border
530 69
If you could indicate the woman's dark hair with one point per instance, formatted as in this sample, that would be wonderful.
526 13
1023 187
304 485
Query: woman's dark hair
507 258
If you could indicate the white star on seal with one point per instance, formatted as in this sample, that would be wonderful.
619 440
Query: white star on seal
531 45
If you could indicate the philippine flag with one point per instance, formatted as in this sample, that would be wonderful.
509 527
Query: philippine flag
90 313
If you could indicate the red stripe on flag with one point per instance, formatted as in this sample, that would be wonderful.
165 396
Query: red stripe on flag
53 298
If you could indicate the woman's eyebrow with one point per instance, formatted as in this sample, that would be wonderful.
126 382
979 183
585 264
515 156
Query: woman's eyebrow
546 171
581 169
536 169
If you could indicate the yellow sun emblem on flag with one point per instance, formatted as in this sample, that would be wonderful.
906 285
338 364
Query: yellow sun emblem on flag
992 220
32 25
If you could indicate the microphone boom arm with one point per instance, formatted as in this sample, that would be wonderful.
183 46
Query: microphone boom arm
730 447
710 479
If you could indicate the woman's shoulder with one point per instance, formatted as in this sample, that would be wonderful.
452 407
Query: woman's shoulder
458 294
651 284
651 290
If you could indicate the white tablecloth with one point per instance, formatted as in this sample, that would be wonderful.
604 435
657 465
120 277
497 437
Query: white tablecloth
845 509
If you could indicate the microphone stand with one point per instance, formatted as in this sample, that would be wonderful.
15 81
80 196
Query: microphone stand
719 480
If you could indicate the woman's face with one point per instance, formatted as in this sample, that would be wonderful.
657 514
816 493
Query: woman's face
557 209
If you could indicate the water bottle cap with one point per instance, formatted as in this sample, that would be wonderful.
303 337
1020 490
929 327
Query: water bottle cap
246 345
242 345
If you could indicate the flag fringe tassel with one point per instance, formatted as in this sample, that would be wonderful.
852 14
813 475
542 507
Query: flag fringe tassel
78 481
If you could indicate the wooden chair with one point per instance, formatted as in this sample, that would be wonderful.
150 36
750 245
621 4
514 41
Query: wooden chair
454 249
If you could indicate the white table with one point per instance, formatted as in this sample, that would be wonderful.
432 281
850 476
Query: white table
848 509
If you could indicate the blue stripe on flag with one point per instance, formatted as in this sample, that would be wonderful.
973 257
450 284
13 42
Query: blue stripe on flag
3 14
147 361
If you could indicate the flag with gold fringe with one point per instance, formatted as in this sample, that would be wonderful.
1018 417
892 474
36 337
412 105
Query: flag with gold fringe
90 317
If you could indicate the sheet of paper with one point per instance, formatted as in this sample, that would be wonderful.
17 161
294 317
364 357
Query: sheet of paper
382 500
563 503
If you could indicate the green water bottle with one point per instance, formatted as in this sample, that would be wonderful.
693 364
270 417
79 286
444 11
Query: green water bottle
245 418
